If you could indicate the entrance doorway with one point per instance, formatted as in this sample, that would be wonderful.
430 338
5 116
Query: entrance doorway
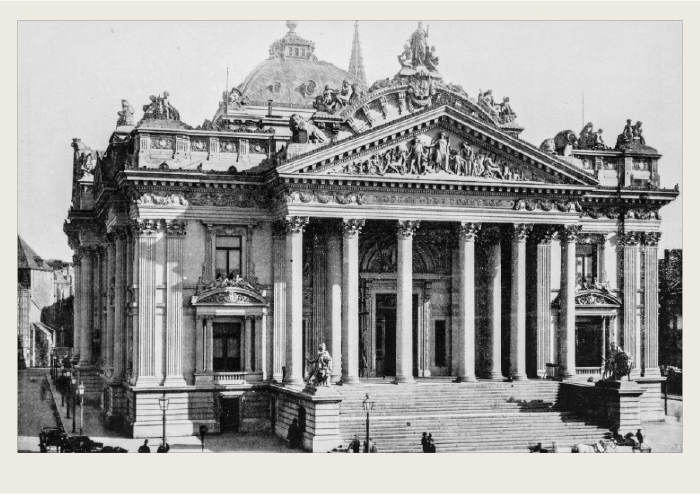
385 317
589 342
230 414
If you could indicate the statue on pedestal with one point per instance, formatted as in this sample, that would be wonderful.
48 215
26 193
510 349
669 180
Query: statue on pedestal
304 131
323 366
126 116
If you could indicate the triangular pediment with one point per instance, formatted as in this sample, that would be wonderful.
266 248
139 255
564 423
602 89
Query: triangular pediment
438 144
229 296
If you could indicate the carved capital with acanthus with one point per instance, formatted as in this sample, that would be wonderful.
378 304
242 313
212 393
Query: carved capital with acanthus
651 239
352 227
406 228
144 227
491 235
630 238
295 225
521 231
175 227
469 231
569 233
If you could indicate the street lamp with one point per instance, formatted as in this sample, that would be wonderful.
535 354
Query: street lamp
81 392
163 402
368 405
73 381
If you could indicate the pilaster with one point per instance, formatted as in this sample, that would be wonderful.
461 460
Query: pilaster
279 330
120 263
249 321
350 300
404 300
631 342
543 298
111 307
650 335
86 308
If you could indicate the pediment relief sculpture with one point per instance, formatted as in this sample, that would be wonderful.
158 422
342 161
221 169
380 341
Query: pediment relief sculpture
229 292
442 156
596 297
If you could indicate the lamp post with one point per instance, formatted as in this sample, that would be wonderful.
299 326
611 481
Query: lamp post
163 402
73 381
368 405
81 392
68 391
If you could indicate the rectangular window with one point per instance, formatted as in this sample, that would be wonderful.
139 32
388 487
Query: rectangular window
586 265
227 347
228 257
440 344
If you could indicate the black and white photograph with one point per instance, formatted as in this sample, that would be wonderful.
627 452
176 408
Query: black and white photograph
350 236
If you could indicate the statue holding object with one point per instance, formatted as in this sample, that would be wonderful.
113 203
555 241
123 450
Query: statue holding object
322 367
126 116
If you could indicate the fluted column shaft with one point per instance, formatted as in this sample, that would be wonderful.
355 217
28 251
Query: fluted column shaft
175 231
334 318
466 333
492 361
279 330
350 299
631 340
294 280
119 309
110 288
517 302
86 304
567 300
248 343
651 305
77 305
543 302
145 255
404 302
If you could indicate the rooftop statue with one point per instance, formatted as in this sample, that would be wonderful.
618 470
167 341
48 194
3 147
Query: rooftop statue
304 131
631 136
502 113
417 56
126 116
334 100
160 108
419 45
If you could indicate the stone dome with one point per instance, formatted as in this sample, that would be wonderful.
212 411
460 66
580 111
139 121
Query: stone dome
292 74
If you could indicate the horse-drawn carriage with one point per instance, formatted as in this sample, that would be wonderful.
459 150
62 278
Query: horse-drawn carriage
56 437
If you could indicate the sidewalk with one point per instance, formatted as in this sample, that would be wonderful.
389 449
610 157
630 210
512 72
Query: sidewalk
34 406
230 442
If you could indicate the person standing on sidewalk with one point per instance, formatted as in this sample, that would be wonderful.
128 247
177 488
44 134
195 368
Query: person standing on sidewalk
144 448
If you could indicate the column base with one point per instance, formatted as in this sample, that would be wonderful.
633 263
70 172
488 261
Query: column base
298 383
494 376
350 381
174 381
466 379
146 381
403 380
336 378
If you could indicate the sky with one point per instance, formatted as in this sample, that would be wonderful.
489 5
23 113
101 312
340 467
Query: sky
72 76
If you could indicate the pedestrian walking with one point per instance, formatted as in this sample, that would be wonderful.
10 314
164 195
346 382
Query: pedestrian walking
144 448
372 446
424 442
431 443
354 445
163 448
294 435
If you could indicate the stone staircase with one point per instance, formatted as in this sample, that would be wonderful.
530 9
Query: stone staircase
483 416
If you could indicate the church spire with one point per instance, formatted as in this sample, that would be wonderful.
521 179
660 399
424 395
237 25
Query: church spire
357 67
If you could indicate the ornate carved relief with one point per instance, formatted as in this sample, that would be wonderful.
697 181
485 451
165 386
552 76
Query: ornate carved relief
591 238
352 227
569 233
543 234
175 227
469 231
521 231
564 206
631 238
146 226
324 198
406 228
151 198
651 239
295 224
238 200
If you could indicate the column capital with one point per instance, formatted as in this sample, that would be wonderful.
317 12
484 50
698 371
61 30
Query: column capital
491 235
145 227
468 231
406 228
630 238
295 224
352 227
651 239
175 228
569 233
521 231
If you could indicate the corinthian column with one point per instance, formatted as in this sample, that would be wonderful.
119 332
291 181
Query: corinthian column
293 275
650 347
466 331
567 302
404 302
492 350
145 257
632 340
279 325
77 304
119 309
175 231
86 306
109 297
543 301
517 302
350 297
334 281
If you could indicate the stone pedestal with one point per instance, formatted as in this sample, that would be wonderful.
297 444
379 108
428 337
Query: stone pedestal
619 403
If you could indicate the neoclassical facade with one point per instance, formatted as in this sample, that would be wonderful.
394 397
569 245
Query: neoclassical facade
405 224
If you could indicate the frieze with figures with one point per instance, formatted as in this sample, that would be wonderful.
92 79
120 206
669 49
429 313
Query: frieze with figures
419 157
564 206
227 200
